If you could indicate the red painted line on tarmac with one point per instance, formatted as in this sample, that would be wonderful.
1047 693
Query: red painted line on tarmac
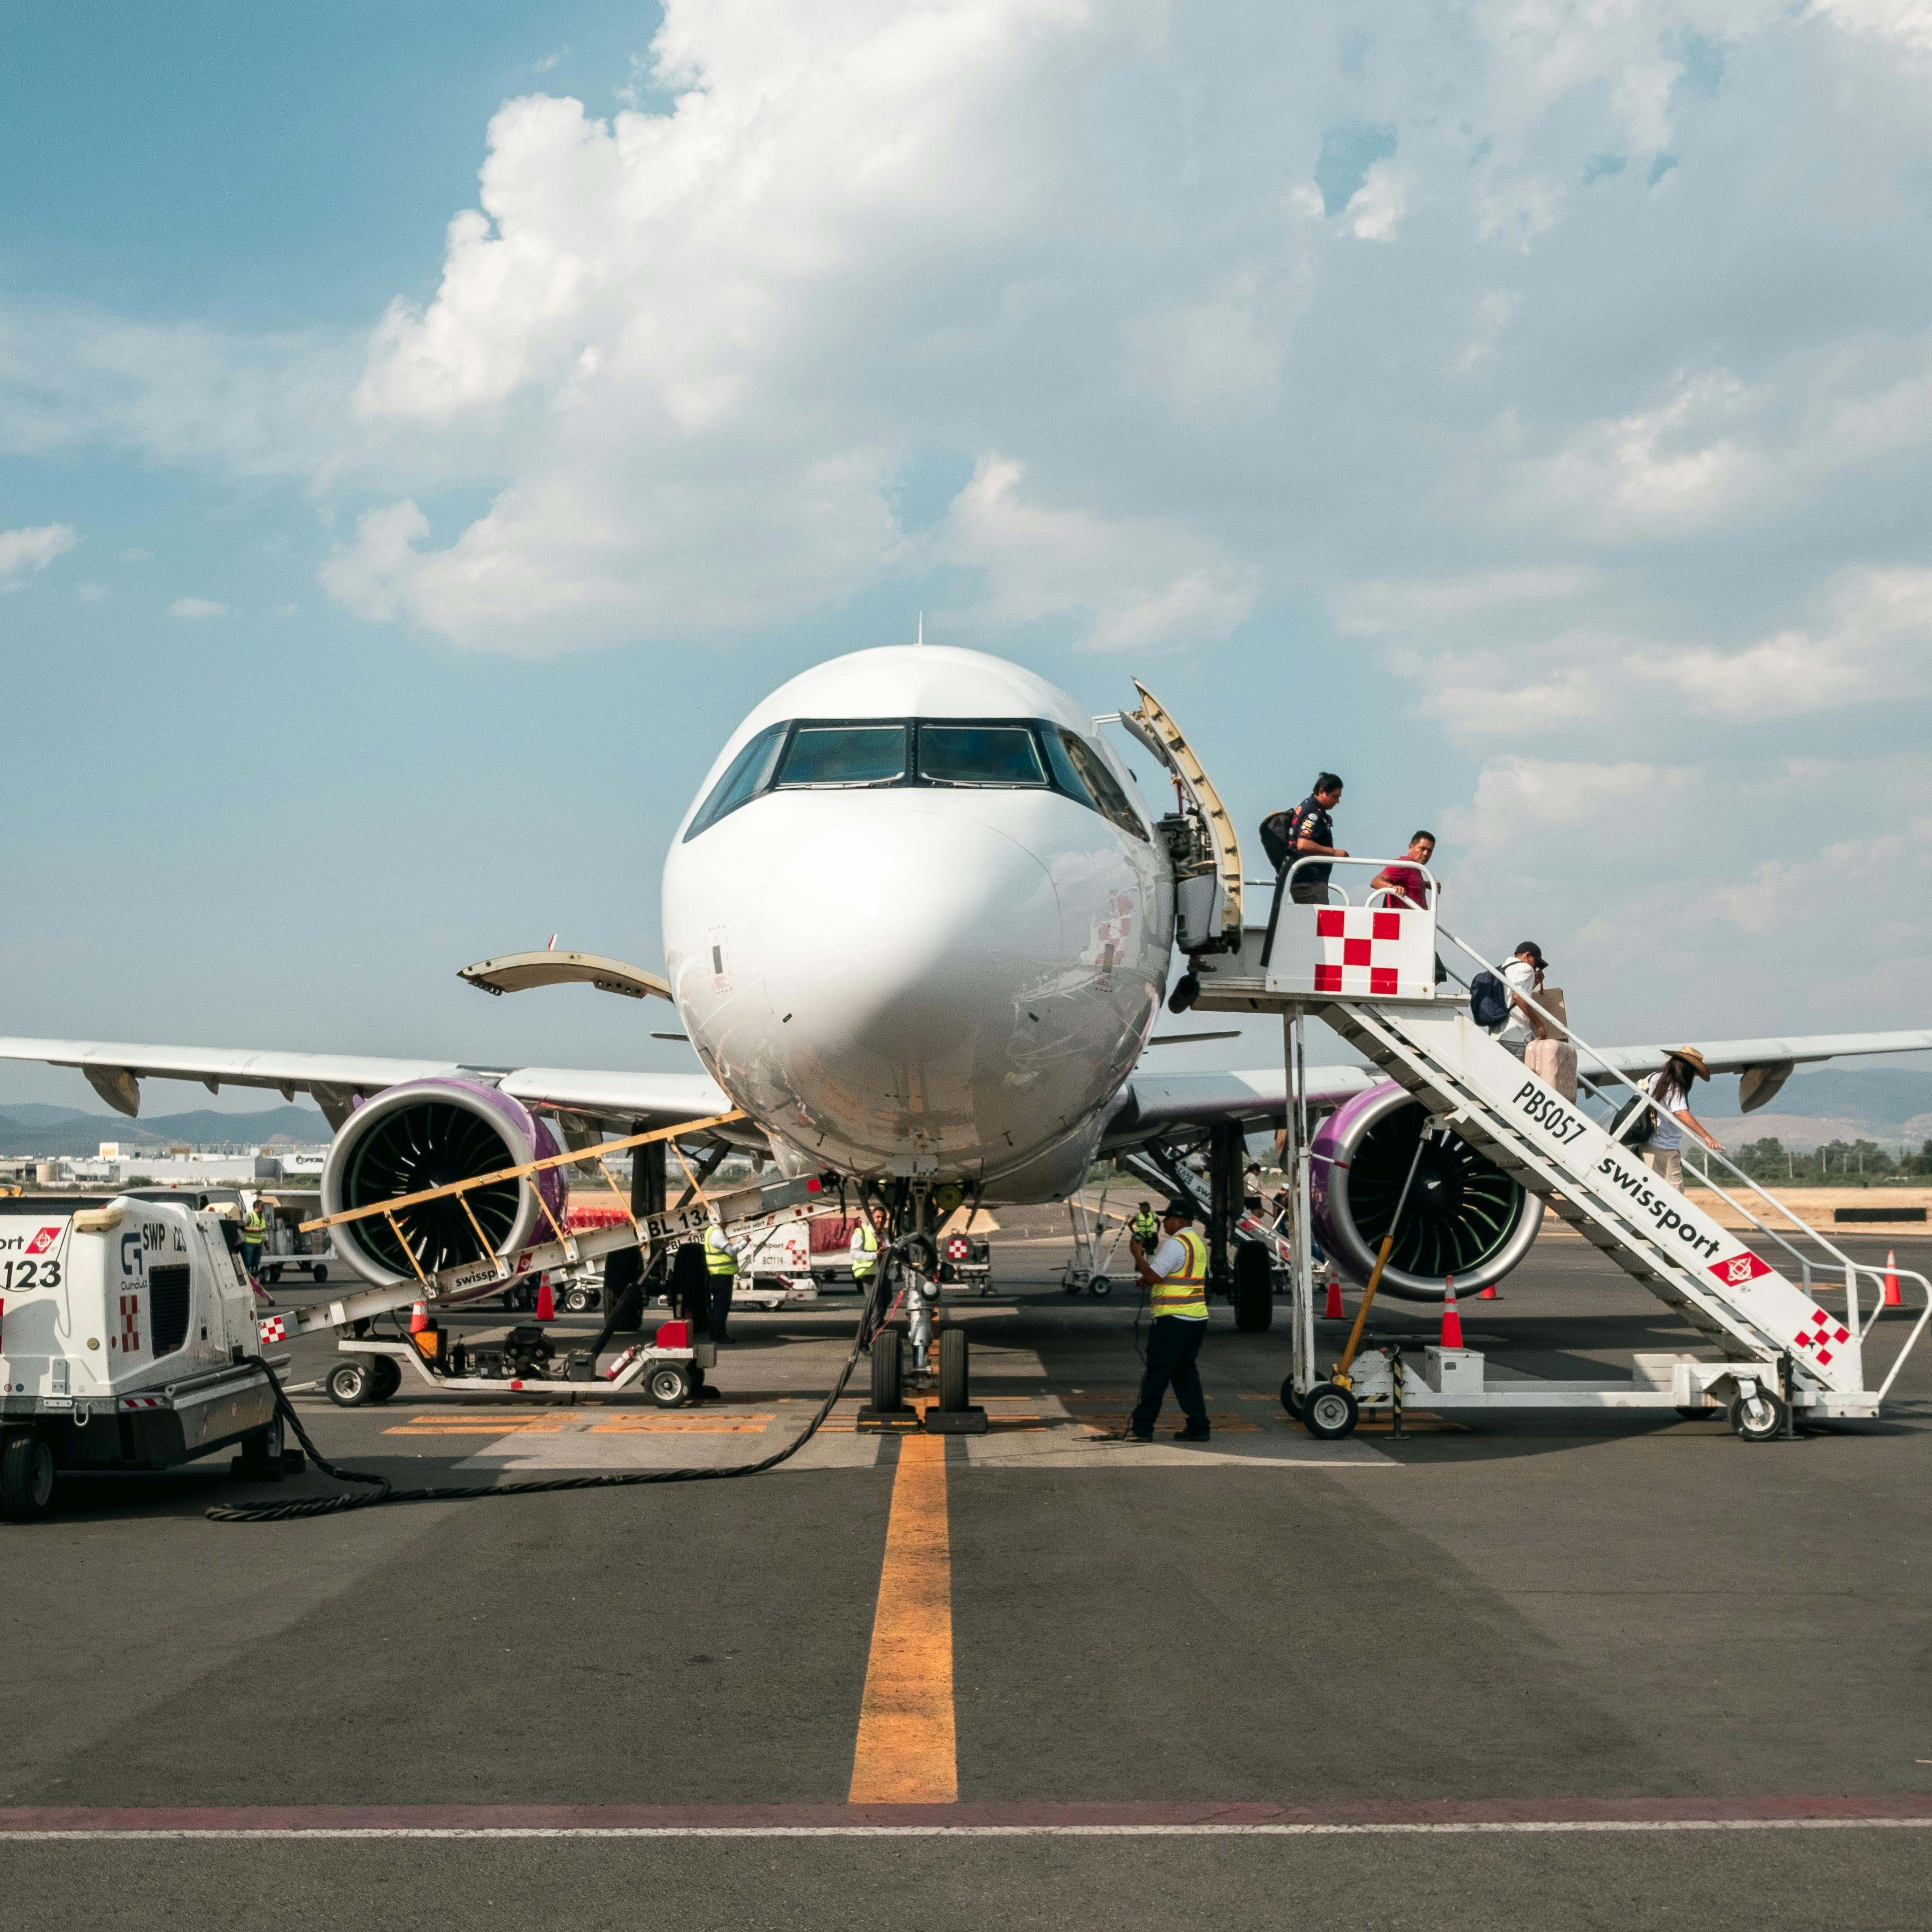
1072 1817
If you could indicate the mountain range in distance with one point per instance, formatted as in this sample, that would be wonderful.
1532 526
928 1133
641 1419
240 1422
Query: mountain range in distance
31 1128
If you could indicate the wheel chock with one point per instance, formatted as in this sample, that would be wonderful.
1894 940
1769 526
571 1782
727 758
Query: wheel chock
969 1421
900 1421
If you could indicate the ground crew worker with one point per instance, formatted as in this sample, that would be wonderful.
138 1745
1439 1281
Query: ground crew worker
1177 1274
1144 1227
868 1237
254 1232
720 1264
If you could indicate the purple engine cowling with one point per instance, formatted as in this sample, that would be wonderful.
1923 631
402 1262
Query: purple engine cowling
1465 1216
425 1134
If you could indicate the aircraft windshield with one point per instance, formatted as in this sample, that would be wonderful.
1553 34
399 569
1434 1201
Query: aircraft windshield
845 754
979 754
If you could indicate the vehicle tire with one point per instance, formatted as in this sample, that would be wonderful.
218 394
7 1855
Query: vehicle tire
260 1460
1071 1287
986 1289
387 1373
271 1276
350 1385
1254 1295
26 1476
1100 1286
669 1385
576 1300
320 1273
955 1381
1758 1418
888 1378
1696 1414
1291 1397
1330 1412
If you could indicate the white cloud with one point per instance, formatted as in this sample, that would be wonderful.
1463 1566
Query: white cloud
196 606
22 551
94 593
1375 210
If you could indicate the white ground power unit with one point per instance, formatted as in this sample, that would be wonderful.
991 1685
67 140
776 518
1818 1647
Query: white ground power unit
128 1340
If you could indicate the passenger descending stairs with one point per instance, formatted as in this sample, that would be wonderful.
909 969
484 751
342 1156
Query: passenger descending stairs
1656 1234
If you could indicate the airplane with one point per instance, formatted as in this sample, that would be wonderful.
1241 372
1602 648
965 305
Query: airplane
918 928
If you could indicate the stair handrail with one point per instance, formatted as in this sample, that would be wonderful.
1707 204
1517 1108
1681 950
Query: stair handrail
1562 1028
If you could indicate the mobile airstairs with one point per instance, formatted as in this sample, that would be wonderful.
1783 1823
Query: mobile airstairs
1370 971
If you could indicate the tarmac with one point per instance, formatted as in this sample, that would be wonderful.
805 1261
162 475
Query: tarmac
1554 1669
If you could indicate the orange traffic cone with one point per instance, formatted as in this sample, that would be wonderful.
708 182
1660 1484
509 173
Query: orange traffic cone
546 1301
1891 1297
419 1318
1333 1311
1488 1294
1452 1322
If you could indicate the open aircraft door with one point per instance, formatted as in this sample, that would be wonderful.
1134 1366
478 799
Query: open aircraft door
1200 836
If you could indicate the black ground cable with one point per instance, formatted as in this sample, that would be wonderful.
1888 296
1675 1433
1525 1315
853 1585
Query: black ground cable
384 1492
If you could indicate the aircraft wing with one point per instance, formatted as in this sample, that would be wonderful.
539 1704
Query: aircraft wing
1158 1103
114 1069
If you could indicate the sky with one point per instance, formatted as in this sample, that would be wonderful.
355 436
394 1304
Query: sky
426 430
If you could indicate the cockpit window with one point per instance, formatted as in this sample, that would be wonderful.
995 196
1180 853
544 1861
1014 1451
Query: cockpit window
750 771
845 754
984 753
1109 800
979 754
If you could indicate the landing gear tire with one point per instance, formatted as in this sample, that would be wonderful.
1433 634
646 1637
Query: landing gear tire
1330 1413
386 1375
1254 1289
1756 1418
26 1476
669 1385
261 1459
1101 1286
351 1385
888 1375
955 1383
1291 1398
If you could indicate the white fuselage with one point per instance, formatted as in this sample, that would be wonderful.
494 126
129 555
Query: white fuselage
915 975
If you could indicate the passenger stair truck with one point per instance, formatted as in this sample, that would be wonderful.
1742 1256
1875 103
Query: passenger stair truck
1368 970
128 1340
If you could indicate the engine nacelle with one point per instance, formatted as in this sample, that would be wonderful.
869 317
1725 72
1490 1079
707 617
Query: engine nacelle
1464 1215
425 1134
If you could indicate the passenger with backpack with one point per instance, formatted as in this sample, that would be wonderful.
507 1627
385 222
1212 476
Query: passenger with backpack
1307 831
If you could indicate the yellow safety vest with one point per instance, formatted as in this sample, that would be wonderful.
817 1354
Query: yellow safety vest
1185 1293
718 1257
863 1265
1144 1228
253 1228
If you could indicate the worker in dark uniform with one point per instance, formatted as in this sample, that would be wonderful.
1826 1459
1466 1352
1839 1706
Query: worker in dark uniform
1175 1273
1312 835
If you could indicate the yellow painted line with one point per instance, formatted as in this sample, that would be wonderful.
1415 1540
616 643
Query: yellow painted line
481 1428
683 1428
906 1751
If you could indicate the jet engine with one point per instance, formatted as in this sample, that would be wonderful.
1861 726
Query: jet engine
425 1134
1465 1216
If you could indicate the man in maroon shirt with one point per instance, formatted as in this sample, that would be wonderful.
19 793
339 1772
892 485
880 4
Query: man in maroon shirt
1405 883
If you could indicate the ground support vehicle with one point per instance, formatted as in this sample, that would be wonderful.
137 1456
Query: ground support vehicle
287 1250
669 1368
966 1261
128 1340
775 1265
1369 973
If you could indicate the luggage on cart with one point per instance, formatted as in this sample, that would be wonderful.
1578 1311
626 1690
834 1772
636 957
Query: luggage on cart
1554 1062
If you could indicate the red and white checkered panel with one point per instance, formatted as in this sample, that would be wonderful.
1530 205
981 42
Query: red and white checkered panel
130 1323
1364 951
272 1328
1821 1334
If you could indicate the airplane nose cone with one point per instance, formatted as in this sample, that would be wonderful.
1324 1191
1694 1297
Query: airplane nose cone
903 961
